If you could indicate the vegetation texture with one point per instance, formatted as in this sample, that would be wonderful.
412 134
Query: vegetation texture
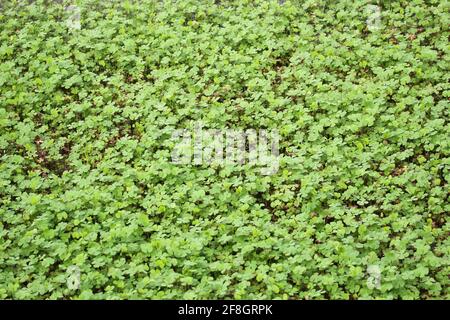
86 181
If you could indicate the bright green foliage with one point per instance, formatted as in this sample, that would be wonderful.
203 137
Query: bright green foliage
86 179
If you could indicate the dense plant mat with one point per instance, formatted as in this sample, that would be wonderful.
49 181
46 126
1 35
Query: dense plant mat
358 208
